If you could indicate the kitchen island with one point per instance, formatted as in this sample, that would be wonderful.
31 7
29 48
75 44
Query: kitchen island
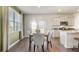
67 38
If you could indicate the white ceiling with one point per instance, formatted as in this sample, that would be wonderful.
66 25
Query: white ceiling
48 9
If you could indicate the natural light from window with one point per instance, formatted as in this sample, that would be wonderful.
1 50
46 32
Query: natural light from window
38 25
34 26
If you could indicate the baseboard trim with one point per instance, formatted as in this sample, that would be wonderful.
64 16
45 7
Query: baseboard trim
13 44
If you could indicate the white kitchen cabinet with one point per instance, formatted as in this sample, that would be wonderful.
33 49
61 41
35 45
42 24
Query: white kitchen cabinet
56 33
67 39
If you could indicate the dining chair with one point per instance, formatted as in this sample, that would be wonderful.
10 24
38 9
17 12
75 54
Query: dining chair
50 34
39 40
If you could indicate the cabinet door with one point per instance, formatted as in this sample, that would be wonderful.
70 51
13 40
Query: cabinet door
56 22
56 33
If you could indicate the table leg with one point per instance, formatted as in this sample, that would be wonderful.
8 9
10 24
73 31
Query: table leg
29 43
47 42
78 45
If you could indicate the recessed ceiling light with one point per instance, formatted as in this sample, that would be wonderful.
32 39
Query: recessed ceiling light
59 10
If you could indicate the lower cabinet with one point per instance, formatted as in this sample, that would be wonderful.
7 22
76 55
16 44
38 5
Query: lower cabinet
56 33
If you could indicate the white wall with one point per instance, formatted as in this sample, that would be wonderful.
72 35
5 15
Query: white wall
51 21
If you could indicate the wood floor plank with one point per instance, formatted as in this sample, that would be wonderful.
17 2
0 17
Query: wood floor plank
23 46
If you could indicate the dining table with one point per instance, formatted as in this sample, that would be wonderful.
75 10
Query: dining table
30 41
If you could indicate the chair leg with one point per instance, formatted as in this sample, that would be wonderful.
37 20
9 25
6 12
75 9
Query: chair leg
29 47
51 44
34 48
43 48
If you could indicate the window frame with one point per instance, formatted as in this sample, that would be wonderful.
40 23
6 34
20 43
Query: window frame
13 17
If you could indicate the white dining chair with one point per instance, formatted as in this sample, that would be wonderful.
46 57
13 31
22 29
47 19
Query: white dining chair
39 40
50 34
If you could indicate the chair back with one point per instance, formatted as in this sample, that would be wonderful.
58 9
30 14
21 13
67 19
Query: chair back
38 39
50 36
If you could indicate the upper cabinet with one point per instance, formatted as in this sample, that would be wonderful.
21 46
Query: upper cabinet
67 18
56 20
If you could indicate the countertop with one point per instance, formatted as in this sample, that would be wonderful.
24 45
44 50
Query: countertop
70 31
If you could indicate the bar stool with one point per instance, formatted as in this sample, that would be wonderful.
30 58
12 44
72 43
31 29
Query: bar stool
77 39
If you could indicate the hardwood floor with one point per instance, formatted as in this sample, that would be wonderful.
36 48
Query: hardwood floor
57 47
23 46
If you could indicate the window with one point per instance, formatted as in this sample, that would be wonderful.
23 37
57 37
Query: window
34 26
41 26
38 25
17 22
14 21
11 27
11 21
